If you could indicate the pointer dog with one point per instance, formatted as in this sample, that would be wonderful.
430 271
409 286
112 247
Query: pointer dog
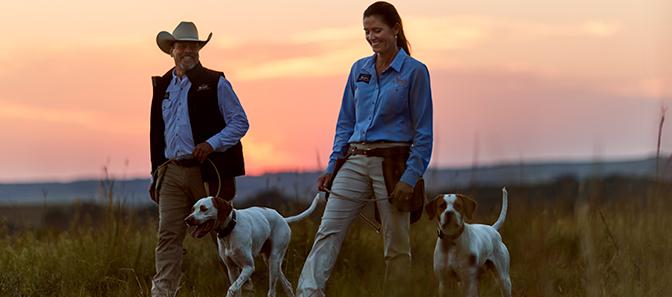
245 233
464 251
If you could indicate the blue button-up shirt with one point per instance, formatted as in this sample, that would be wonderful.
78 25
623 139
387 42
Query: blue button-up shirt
179 139
395 107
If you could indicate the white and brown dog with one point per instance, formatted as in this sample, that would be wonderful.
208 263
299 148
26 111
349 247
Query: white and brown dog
245 233
464 251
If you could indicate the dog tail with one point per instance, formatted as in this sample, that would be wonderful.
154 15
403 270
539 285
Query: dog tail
319 197
502 214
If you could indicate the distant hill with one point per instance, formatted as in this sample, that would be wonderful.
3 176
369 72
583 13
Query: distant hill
301 185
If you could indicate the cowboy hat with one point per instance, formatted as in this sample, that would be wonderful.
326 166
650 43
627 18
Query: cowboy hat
185 31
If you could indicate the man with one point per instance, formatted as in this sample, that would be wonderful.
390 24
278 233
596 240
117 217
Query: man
196 126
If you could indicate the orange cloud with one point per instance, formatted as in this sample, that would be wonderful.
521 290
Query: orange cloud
495 78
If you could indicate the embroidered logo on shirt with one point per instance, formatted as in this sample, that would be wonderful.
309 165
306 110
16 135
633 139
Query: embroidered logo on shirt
364 77
203 87
400 82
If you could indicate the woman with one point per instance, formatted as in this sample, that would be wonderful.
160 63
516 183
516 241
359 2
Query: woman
384 134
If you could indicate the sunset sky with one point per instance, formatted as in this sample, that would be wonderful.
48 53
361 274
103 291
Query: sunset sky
513 81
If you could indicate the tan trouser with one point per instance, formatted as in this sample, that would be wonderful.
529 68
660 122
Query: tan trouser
359 179
180 188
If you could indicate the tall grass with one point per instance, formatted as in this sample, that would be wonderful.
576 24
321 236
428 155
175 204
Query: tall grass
611 238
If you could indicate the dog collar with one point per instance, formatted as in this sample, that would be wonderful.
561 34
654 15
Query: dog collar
229 227
444 236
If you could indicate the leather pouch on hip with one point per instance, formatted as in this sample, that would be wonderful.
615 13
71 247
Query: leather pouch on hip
393 167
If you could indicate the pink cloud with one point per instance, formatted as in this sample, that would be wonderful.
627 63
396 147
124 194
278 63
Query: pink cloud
96 104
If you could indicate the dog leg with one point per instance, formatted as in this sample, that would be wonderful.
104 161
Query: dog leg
245 260
286 284
231 270
275 272
502 270
471 286
505 282
447 284
442 288
248 288
244 276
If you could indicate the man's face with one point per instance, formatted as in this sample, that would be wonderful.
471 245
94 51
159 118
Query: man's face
185 54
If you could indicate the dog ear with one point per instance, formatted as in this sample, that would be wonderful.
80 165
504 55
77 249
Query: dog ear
468 205
223 207
432 206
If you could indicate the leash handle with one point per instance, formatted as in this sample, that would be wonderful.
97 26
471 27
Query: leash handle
205 184
219 180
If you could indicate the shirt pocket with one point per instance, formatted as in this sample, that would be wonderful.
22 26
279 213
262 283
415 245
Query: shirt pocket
363 91
394 102
166 106
397 94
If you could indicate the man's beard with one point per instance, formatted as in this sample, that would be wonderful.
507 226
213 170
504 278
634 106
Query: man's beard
188 66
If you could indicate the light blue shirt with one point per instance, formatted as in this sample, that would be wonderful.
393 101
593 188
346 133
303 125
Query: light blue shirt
179 139
395 107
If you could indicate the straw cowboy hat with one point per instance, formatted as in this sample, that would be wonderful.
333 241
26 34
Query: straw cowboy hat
185 31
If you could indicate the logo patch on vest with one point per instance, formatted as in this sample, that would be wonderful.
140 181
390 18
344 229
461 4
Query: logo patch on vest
364 77
203 87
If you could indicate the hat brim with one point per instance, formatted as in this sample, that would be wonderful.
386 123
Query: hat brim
165 41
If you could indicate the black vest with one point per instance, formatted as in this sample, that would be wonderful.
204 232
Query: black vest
204 117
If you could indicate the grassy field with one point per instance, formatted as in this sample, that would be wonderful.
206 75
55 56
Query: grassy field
595 238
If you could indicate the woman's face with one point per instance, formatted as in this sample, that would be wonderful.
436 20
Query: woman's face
379 35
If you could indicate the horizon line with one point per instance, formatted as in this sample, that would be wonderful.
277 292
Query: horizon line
664 156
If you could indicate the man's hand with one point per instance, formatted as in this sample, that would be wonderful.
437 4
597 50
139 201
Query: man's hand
201 151
322 182
401 196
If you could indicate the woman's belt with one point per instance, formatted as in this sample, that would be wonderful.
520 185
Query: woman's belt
385 152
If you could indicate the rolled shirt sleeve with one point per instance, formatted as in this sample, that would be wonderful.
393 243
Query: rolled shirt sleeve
234 117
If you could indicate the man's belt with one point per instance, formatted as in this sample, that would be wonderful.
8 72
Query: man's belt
186 162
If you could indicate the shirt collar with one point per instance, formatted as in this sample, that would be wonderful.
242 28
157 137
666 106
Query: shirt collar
196 68
396 64
177 80
399 60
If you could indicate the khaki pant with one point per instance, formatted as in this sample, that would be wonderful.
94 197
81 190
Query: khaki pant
180 188
360 179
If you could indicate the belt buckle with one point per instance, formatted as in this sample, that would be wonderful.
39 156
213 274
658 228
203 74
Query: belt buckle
186 162
359 151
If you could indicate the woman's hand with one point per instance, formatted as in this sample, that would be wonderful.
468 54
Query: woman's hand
323 182
401 196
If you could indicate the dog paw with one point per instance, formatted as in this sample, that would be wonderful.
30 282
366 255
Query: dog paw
231 293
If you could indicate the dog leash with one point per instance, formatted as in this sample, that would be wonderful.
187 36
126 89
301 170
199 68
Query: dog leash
219 180
366 219
205 184
354 199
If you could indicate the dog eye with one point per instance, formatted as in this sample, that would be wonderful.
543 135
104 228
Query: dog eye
203 208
